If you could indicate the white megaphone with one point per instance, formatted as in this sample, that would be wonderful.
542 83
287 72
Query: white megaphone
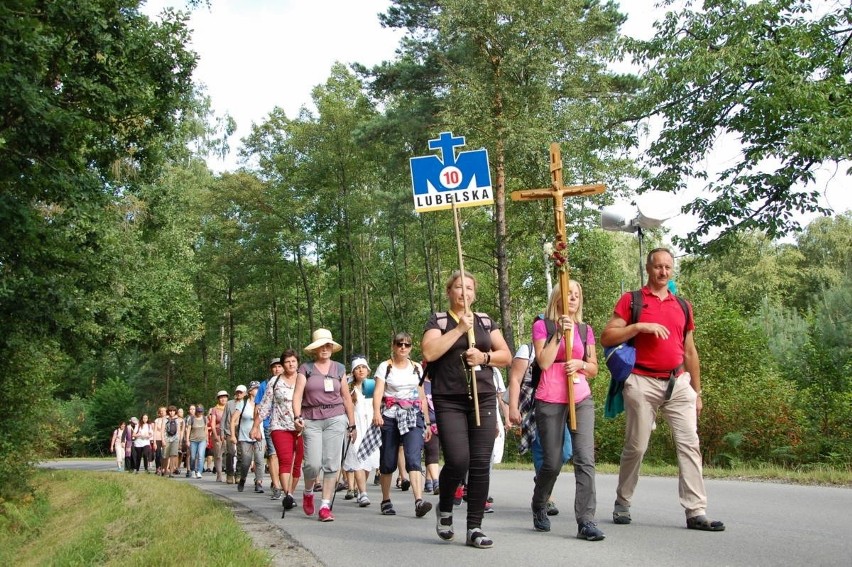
655 207
614 221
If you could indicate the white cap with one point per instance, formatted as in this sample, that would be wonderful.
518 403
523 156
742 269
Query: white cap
360 361
222 393
241 388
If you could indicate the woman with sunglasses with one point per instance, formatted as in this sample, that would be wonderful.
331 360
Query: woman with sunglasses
467 445
399 407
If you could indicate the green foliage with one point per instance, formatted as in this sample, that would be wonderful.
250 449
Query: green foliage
112 402
827 378
26 386
786 332
770 74
69 428
826 248
742 392
93 97
750 269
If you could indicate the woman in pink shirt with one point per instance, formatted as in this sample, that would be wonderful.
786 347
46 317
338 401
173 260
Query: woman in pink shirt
551 408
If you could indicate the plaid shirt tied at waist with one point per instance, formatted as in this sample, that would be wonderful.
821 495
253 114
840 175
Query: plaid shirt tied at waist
406 420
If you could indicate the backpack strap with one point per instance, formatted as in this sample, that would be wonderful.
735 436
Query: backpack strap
388 368
686 313
484 319
441 318
272 410
636 310
583 329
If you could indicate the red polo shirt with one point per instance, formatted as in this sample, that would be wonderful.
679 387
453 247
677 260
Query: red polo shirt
656 356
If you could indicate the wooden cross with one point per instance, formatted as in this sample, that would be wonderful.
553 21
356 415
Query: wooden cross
558 191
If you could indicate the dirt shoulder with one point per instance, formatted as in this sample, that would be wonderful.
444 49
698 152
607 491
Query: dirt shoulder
282 548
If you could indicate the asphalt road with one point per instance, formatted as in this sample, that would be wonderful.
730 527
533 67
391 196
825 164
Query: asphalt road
767 524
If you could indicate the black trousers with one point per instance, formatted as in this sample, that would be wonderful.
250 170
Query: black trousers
141 454
467 451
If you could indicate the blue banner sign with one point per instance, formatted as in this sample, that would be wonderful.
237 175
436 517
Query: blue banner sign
463 178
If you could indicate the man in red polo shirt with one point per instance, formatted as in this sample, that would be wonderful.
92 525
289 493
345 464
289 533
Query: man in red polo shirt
665 378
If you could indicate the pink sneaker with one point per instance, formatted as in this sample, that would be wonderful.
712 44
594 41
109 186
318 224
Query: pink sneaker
325 515
308 504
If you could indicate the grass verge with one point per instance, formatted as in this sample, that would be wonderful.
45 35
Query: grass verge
823 475
86 518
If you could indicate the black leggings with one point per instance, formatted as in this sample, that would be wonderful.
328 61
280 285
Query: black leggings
432 451
140 454
467 451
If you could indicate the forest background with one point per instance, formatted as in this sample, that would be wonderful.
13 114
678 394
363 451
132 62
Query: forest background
132 276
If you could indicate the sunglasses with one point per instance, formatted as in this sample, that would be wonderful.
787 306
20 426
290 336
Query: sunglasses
403 345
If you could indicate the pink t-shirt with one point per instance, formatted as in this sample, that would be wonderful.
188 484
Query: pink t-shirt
553 387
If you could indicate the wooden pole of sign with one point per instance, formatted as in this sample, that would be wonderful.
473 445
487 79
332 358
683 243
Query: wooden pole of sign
557 191
471 338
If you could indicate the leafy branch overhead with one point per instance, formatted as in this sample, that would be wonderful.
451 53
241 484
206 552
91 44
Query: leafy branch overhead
771 75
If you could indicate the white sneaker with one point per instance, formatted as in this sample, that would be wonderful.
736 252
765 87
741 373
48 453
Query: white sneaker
363 501
198 475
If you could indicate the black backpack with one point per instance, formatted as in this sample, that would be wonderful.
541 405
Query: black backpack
171 428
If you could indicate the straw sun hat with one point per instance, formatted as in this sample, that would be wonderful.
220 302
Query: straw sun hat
322 337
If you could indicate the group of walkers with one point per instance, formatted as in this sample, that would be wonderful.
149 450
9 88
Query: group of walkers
311 420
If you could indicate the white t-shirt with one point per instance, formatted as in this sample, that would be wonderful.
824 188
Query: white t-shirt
143 433
500 440
401 383
526 353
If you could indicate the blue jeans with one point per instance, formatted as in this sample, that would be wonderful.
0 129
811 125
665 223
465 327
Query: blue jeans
412 446
197 450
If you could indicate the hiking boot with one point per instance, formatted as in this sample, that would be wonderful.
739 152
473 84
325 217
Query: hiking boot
540 520
350 495
444 526
589 531
552 510
421 508
229 479
308 504
325 514
276 493
241 485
